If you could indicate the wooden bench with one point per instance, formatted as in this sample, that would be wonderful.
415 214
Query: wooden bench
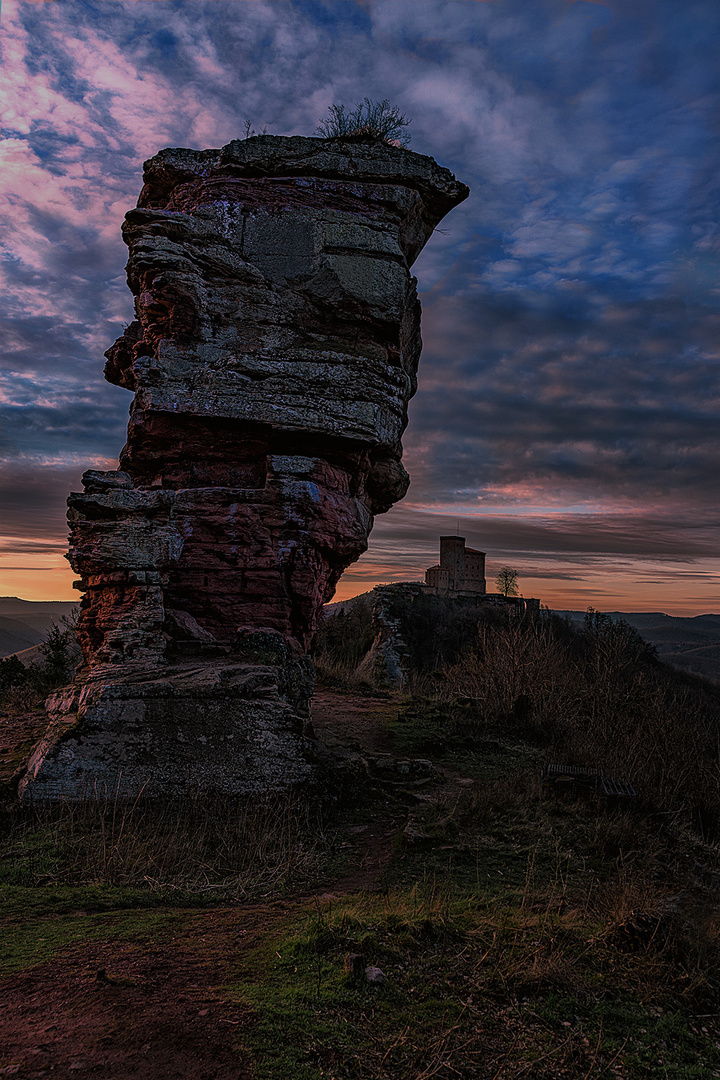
585 780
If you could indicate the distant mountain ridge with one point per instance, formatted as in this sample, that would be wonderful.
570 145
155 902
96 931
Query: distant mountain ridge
24 623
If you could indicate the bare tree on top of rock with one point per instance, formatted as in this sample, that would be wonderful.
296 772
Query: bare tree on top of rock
507 581
250 131
369 120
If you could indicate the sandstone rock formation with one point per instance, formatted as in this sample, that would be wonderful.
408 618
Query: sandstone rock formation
274 353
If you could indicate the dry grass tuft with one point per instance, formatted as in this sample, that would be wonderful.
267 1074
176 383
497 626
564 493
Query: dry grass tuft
226 846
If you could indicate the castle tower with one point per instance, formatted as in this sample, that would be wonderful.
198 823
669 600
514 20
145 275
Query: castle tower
461 569
452 559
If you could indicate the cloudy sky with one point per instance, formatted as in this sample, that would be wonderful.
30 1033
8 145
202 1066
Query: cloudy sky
567 416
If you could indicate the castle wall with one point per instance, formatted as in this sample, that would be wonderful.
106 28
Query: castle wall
475 570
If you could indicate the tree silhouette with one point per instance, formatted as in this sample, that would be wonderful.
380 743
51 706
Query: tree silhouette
506 581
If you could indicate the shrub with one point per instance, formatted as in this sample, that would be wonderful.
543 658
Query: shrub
23 687
250 131
12 673
601 697
57 654
372 120
343 638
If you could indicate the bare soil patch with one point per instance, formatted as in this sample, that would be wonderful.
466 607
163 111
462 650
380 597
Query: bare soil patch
140 1009
341 721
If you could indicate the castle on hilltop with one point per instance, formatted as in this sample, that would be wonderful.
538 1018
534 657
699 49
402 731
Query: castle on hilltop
461 570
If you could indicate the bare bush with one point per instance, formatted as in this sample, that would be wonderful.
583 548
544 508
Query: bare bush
601 697
371 120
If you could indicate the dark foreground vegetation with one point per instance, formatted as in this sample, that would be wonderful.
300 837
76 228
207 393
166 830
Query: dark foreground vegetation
24 685
594 694
520 932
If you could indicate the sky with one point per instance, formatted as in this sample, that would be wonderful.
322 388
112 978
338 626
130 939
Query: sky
566 420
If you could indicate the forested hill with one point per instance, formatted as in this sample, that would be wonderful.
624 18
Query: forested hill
692 644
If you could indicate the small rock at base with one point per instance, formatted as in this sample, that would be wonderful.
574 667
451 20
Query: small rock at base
375 976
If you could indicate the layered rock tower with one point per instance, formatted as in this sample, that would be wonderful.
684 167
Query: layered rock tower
273 356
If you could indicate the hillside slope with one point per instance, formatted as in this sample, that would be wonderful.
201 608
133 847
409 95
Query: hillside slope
692 644
689 643
24 623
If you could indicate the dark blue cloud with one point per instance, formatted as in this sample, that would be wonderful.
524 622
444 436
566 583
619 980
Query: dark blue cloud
619 405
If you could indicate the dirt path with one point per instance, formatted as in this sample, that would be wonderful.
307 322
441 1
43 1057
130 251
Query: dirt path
345 723
341 721
148 1010
353 723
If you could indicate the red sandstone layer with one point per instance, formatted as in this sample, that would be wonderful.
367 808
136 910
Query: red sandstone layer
274 353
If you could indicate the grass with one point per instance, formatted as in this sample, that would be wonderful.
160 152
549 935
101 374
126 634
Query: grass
521 935
508 939
223 848
29 942
473 990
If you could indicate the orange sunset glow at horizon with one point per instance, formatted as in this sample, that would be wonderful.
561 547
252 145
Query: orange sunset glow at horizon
629 584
